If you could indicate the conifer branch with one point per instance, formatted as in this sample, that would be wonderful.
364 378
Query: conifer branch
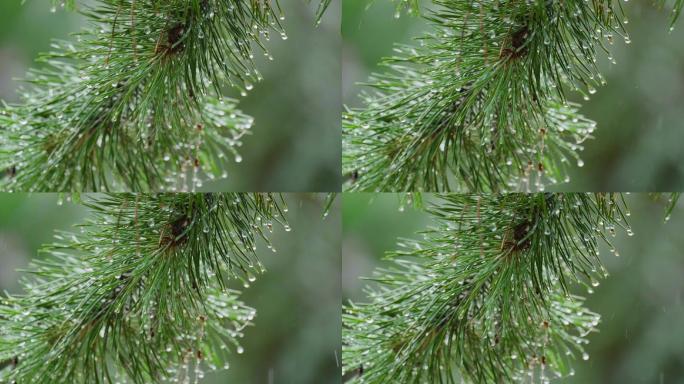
136 103
485 296
140 293
481 104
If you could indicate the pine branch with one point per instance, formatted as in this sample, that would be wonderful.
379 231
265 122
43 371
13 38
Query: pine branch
140 293
136 103
485 296
71 4
481 103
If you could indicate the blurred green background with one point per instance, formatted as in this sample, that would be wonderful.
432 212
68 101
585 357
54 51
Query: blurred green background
640 338
296 337
295 143
639 144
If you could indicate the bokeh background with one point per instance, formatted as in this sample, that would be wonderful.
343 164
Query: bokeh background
639 144
296 139
296 337
640 338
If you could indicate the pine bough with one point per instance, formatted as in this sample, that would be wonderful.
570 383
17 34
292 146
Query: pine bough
140 293
486 296
480 104
135 103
